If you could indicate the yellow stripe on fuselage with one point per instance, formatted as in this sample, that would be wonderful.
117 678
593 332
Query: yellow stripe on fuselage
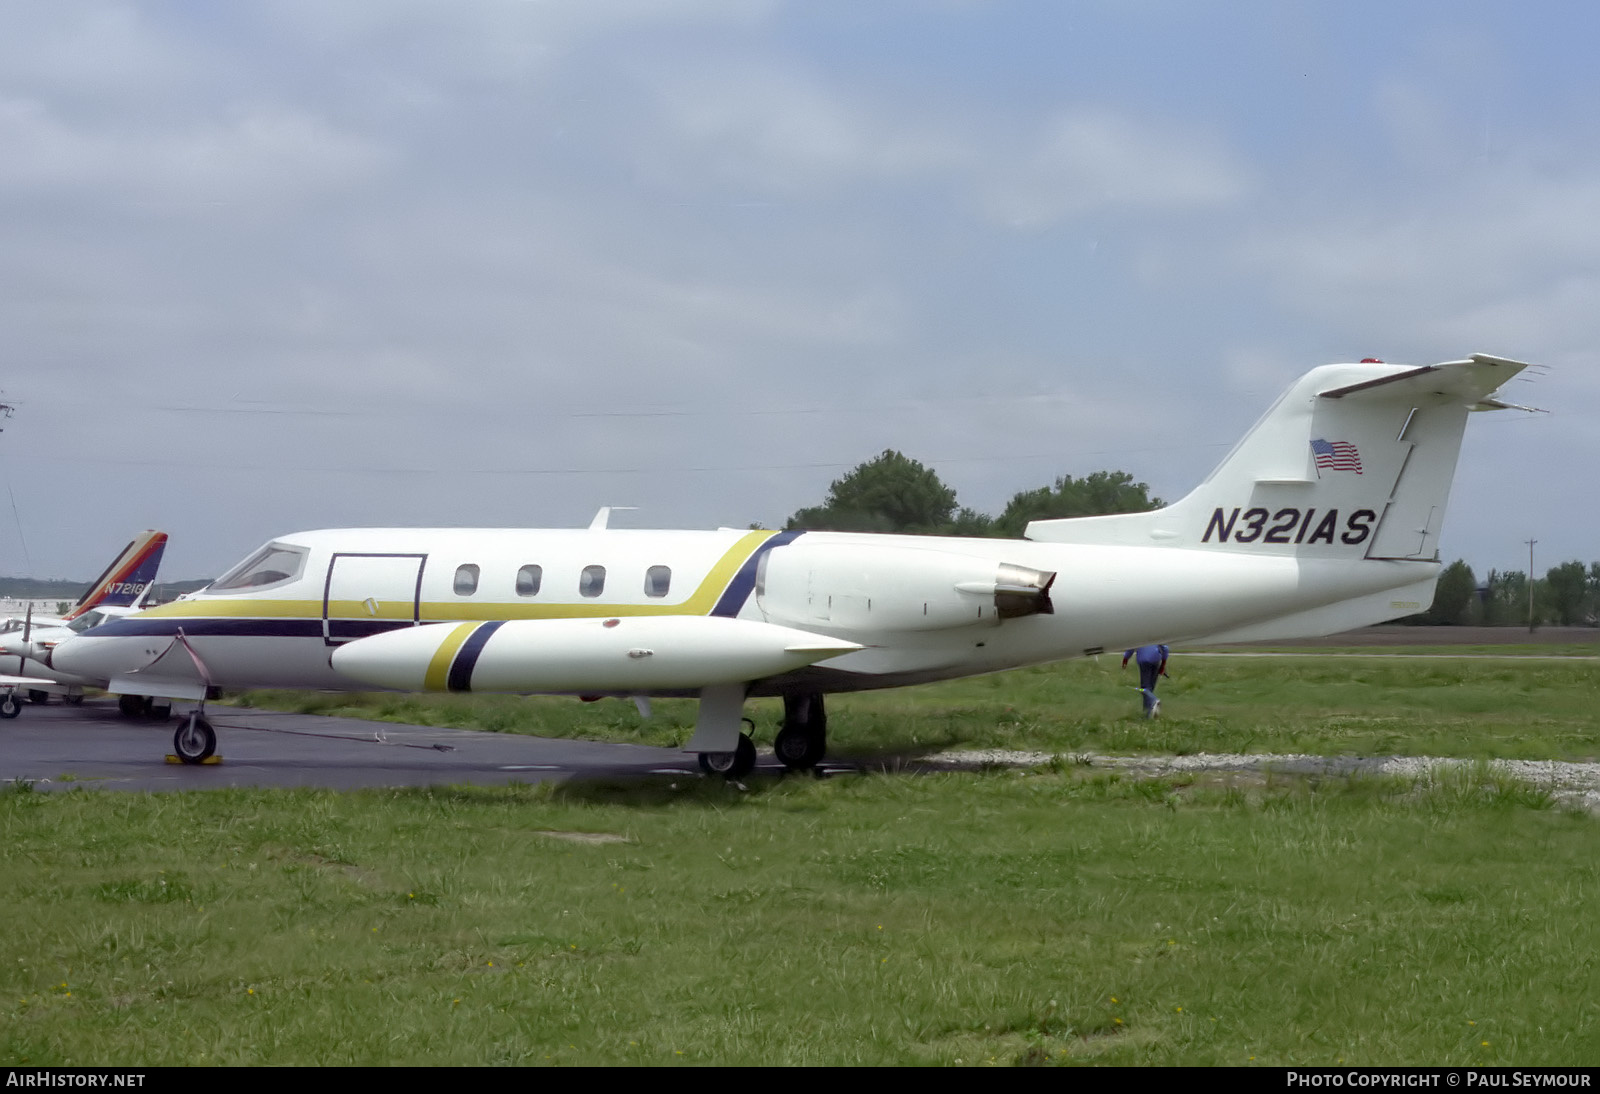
700 602
437 677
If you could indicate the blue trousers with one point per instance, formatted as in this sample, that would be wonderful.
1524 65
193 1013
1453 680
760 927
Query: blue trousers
1148 675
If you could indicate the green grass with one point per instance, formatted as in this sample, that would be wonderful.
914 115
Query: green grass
1533 650
1369 705
1055 916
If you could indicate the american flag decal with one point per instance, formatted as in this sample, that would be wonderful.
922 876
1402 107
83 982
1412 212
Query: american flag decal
1336 455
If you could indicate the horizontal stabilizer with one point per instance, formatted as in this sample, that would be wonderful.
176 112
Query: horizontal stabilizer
1468 382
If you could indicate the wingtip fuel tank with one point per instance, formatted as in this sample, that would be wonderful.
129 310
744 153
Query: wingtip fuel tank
628 655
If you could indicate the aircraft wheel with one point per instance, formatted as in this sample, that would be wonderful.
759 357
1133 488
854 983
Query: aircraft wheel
158 712
131 706
731 765
72 700
195 740
9 707
40 697
799 749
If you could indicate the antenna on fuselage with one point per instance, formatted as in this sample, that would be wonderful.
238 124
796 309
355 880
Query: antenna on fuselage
603 517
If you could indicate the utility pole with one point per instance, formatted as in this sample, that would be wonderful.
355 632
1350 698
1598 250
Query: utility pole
1530 543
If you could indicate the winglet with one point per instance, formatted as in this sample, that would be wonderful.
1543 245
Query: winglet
603 517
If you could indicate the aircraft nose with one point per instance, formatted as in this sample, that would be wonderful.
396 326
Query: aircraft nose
68 651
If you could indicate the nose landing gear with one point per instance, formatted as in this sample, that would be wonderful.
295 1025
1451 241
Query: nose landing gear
195 740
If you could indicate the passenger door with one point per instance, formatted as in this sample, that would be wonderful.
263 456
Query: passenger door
370 593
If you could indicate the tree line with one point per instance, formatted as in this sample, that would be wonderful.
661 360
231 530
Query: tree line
894 493
1568 595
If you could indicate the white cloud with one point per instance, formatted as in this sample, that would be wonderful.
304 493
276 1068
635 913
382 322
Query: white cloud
1506 259
1092 158
262 157
788 133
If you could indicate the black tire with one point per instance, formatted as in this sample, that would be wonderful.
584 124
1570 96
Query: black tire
731 765
799 749
37 696
157 712
73 700
131 706
195 740
9 707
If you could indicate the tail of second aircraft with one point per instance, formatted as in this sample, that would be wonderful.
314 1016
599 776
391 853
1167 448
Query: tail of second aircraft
1353 461
129 577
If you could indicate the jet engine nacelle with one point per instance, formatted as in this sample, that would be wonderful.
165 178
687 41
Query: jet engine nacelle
862 586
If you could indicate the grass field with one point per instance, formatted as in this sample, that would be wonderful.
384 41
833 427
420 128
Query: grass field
1062 915
1471 707
1002 918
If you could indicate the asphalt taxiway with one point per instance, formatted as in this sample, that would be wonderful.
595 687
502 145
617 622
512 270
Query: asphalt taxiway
57 747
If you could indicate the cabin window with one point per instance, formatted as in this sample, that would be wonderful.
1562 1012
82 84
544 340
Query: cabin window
466 582
593 581
657 580
528 579
274 564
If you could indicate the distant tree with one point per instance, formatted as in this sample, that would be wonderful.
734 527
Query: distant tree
1490 611
1452 596
888 494
1505 598
1567 591
1095 494
970 522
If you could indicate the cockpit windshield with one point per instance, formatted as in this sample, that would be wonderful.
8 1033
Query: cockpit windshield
85 621
274 564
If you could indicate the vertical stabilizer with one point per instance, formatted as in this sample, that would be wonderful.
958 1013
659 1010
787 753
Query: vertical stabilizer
1353 461
127 578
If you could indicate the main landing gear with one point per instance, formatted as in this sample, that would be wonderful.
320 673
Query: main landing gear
800 745
144 706
731 765
803 740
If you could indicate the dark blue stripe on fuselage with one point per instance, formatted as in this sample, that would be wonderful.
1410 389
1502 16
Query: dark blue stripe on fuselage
348 630
168 626
460 678
738 590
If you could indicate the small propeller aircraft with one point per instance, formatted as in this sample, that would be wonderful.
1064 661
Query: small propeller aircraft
118 591
1325 517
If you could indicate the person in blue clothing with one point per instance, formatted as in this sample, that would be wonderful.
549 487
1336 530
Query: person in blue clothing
1152 662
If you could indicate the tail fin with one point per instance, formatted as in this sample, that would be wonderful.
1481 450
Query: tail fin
1353 461
128 577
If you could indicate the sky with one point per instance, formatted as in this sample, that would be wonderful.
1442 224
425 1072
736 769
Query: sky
274 266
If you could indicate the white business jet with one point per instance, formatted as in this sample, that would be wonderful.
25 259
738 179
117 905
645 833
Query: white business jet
25 640
1326 516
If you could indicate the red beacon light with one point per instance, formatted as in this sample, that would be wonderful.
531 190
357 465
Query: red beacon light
1372 361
